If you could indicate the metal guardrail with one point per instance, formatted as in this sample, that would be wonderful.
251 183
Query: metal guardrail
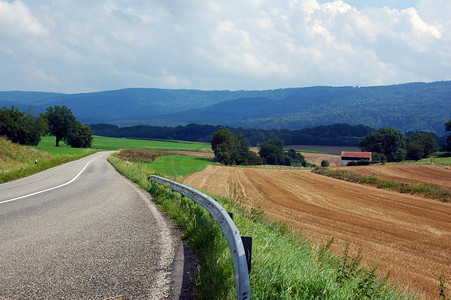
228 228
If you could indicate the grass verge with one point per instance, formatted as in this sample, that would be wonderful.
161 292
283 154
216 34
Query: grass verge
18 161
284 265
424 190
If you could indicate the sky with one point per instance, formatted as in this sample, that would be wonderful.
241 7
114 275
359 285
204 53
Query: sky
75 46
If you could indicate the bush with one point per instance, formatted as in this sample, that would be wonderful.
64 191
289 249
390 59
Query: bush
378 158
359 163
325 163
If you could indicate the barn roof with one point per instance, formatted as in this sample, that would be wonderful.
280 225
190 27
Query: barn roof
356 154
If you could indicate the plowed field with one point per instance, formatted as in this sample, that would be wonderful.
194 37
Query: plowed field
406 235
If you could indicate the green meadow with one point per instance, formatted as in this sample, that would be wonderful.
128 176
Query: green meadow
47 144
108 143
177 165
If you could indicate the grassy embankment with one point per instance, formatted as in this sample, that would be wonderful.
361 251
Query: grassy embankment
284 264
18 161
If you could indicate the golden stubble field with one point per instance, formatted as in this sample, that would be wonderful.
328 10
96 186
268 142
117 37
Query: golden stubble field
408 236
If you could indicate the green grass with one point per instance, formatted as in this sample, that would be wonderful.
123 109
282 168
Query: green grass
108 143
177 165
18 161
444 161
284 264
47 144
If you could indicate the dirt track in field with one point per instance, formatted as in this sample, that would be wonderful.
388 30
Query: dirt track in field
406 235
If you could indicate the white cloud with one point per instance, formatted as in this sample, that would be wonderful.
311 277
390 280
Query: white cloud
17 21
33 73
224 44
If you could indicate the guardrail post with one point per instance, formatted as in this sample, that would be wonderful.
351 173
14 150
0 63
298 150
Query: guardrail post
247 244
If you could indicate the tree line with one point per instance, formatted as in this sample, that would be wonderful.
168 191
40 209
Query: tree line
391 145
233 149
59 121
386 144
328 135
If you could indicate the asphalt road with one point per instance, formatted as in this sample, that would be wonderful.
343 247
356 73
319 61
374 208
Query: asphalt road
85 232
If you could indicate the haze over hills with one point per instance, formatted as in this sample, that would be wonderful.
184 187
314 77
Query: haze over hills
407 107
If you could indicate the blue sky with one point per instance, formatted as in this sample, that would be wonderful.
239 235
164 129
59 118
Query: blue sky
76 46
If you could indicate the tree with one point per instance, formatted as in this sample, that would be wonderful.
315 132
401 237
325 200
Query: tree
243 156
421 145
22 128
80 135
231 149
294 158
387 141
272 153
225 146
61 120
448 139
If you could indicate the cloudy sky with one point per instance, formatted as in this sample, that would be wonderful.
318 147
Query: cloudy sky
76 46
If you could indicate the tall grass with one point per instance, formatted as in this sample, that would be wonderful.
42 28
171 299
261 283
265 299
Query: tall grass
284 264
424 190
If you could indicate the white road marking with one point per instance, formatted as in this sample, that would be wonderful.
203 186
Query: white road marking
49 189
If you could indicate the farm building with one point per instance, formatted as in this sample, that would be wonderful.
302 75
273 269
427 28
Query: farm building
347 157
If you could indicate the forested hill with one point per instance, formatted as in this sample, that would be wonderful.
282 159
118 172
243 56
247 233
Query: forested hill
407 107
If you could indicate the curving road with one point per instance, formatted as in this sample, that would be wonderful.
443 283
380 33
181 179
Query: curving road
82 231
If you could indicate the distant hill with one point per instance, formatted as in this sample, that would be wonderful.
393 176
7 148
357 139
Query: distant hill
407 107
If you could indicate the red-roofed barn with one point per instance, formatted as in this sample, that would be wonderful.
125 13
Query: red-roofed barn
347 157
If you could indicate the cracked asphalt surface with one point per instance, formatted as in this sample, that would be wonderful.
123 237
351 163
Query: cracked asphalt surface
99 237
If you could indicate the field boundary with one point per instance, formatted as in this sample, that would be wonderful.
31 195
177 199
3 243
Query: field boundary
424 190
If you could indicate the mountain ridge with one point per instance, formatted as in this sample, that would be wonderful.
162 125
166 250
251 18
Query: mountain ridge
407 107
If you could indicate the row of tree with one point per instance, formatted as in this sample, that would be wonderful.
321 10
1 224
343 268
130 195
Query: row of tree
233 149
26 129
389 144
333 135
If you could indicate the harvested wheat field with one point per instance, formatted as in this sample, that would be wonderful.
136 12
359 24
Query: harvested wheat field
406 235
411 174
316 159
